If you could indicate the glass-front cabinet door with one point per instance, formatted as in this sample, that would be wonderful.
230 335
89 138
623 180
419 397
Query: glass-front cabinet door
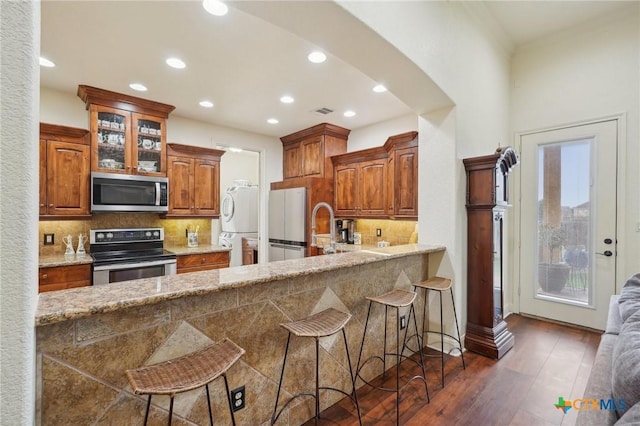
148 144
111 130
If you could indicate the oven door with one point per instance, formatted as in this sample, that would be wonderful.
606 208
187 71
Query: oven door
113 273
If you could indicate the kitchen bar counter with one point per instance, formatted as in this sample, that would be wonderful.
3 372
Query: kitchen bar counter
87 338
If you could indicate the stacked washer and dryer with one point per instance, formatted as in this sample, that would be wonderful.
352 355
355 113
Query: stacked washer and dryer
238 218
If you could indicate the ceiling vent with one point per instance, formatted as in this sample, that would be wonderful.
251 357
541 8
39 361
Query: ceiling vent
323 110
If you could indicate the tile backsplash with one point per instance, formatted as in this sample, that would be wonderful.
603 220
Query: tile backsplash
174 229
394 231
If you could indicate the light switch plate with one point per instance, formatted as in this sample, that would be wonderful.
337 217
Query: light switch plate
49 239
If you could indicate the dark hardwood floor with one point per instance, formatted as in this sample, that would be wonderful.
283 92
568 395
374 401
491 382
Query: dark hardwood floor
548 361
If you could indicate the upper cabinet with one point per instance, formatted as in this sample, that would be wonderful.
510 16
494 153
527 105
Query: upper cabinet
360 184
194 181
307 153
378 182
128 134
64 172
403 175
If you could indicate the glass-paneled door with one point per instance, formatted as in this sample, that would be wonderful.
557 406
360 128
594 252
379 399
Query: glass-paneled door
568 223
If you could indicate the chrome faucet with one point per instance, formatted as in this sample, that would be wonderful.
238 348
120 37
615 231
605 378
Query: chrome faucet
332 241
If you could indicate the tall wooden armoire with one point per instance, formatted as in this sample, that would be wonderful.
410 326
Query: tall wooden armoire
487 202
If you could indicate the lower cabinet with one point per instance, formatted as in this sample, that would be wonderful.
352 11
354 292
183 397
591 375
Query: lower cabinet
202 261
249 251
63 277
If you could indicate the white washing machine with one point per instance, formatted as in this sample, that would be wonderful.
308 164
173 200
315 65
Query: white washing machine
233 240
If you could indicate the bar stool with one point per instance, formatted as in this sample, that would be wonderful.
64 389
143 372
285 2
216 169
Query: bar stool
394 299
186 373
440 285
322 324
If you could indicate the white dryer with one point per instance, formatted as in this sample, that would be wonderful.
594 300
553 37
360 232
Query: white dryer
239 209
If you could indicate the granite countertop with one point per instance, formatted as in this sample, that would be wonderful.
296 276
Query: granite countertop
202 248
63 305
52 260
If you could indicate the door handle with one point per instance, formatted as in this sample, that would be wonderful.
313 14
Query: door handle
607 253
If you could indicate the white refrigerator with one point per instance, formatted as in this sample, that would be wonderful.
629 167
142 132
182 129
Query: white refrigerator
287 216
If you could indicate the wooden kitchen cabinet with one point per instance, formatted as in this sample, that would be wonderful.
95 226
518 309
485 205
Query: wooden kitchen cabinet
402 189
307 153
128 134
249 251
194 181
64 172
360 184
63 277
202 262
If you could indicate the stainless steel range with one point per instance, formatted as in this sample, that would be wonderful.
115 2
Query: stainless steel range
129 254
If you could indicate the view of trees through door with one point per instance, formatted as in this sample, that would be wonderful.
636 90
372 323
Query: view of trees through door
564 220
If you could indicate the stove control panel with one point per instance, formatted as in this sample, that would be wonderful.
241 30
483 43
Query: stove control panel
107 236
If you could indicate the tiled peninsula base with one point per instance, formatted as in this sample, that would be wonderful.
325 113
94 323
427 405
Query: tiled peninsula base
82 356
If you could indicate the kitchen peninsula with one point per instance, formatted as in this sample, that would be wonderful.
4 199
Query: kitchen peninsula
88 337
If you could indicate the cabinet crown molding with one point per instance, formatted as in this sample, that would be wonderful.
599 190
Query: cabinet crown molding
180 149
56 131
403 140
94 96
324 129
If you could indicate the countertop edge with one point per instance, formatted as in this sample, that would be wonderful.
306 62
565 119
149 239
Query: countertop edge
71 304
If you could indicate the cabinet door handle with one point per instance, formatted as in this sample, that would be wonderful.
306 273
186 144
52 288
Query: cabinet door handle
42 205
50 205
202 260
44 276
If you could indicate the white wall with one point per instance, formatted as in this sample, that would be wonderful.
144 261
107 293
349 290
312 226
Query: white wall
585 73
378 133
457 47
19 179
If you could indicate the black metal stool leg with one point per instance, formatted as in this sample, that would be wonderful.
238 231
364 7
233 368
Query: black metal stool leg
170 409
455 317
398 350
353 378
206 387
384 344
441 339
226 386
146 413
422 365
284 362
317 380
366 323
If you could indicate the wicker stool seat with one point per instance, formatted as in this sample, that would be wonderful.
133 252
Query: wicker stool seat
441 285
186 373
322 324
396 299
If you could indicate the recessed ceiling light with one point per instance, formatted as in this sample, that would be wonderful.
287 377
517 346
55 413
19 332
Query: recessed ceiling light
206 104
215 7
46 63
273 121
286 99
349 113
317 57
139 87
176 63
379 88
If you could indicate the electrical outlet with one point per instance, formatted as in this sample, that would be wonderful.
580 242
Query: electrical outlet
378 232
403 322
49 239
238 398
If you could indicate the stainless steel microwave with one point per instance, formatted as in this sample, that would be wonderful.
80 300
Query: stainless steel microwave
113 192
